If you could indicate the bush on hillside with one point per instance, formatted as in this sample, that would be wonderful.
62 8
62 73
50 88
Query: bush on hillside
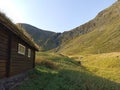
49 64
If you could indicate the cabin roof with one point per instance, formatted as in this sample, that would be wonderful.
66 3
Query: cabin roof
19 31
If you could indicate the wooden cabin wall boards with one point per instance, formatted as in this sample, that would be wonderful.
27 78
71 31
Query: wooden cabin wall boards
17 51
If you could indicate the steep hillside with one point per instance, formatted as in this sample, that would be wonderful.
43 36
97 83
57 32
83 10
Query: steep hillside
100 35
41 37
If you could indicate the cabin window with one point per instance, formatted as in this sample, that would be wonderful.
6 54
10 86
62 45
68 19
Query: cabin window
29 52
21 49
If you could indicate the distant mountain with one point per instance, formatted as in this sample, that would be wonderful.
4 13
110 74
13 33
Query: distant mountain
100 35
41 37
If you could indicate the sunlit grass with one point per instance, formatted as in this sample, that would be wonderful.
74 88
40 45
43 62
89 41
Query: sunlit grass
106 65
97 72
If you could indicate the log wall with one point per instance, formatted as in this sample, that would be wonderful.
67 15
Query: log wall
3 52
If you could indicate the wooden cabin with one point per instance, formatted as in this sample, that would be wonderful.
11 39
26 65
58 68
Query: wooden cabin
17 49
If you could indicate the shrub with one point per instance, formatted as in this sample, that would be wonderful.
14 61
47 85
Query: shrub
48 64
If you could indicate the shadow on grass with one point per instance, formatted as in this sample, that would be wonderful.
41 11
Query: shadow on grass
44 79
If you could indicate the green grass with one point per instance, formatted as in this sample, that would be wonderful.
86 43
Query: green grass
103 38
70 75
99 69
104 65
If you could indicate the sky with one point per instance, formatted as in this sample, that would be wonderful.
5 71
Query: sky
53 15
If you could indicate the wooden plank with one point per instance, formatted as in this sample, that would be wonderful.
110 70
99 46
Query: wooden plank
33 59
2 65
3 52
2 57
2 69
9 56
3 38
2 74
2 62
3 34
19 63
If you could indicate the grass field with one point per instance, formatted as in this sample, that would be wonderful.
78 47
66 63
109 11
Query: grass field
86 72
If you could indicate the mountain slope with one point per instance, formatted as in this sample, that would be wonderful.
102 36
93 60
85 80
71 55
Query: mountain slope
101 35
41 37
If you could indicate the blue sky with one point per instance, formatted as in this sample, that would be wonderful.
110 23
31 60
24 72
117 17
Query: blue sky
53 15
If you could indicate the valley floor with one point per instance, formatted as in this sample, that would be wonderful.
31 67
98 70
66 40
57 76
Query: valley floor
78 72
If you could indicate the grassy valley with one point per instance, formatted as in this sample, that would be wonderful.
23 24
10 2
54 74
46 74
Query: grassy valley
58 72
84 58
